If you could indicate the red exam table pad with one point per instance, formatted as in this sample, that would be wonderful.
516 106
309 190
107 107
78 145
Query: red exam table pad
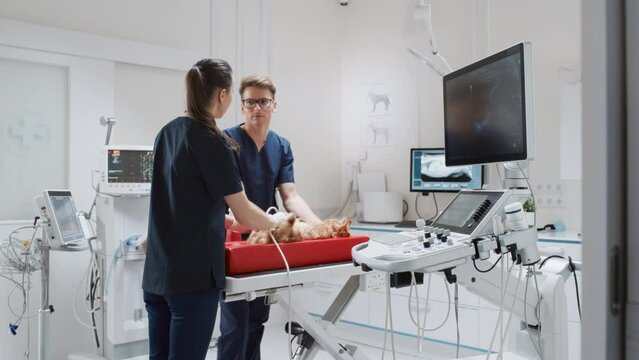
243 257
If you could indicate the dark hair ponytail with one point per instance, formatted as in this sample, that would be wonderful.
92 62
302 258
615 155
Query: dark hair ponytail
202 80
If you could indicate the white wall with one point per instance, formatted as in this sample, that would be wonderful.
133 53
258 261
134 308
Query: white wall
145 99
175 24
374 43
90 95
556 44
297 44
374 39
304 63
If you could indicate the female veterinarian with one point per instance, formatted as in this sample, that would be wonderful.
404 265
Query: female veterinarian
194 178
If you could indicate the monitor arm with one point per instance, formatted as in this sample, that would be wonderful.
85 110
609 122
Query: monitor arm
515 174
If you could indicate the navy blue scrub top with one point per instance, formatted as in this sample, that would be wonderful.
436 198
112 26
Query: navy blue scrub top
193 169
262 171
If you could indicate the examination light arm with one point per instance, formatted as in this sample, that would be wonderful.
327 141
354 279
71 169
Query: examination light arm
108 122
441 69
438 62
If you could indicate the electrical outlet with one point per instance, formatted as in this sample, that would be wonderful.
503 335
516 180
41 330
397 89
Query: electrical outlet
375 281
549 195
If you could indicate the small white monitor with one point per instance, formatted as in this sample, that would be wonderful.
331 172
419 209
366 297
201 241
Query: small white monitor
128 170
65 226
429 173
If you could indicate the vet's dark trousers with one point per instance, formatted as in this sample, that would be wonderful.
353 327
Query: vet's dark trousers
181 325
242 327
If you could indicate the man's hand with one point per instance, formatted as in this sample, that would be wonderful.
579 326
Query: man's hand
294 203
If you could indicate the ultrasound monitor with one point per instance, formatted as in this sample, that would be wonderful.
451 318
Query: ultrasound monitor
128 170
429 173
488 109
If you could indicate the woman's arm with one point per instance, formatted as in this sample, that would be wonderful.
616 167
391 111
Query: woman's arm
231 224
247 213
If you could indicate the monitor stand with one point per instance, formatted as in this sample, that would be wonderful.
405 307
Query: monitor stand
516 175
79 246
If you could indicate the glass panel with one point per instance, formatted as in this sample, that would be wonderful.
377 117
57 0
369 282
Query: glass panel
33 134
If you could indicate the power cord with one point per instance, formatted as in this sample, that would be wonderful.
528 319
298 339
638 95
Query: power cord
96 188
347 200
501 179
537 347
572 269
457 317
388 317
532 194
421 338
436 207
23 264
574 274
90 267
512 308
94 282
417 207
501 313
410 311
538 312
548 258
490 269
290 290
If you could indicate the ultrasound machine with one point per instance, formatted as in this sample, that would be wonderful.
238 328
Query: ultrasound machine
488 118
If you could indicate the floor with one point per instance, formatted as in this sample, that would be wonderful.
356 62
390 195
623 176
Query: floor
274 346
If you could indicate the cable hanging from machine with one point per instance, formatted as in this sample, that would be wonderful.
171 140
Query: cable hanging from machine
489 269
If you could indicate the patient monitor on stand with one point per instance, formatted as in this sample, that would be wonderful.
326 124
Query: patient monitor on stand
63 229
122 219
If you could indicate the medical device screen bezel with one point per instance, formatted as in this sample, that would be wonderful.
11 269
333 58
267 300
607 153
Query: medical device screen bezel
528 149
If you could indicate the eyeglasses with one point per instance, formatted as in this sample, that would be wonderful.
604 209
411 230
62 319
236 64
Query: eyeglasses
251 103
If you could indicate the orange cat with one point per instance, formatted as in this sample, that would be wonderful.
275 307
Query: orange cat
284 233
294 229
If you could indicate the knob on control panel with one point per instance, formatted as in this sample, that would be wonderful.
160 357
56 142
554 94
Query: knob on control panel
445 235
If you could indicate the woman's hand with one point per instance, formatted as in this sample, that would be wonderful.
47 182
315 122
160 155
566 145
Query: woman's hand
237 227
231 224
279 217
247 213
